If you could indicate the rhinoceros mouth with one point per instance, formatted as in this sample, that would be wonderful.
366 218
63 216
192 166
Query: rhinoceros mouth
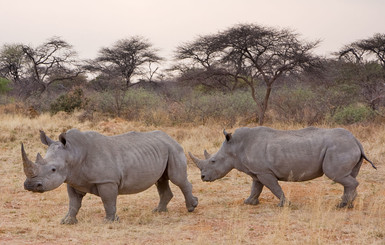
34 187
208 180
37 191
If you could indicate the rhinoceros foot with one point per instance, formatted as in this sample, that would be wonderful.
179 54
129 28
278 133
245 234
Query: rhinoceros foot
345 205
193 205
111 219
159 210
284 203
68 220
251 201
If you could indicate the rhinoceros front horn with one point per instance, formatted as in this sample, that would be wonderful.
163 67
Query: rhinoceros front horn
29 166
196 160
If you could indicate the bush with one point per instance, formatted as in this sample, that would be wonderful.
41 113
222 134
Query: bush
156 109
4 88
227 107
301 105
69 102
352 114
4 85
131 104
238 105
112 102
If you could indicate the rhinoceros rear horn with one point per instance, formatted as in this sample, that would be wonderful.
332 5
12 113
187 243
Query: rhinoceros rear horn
29 166
196 160
207 155
39 159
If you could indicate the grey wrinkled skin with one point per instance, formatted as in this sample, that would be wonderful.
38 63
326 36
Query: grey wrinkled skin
108 166
269 156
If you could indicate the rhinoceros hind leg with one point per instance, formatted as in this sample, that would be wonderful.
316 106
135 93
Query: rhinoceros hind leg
356 169
271 182
345 173
350 185
165 194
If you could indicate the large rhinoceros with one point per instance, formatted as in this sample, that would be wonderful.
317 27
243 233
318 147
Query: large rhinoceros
108 166
269 156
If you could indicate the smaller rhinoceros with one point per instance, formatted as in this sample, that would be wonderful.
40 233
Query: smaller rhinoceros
269 156
108 166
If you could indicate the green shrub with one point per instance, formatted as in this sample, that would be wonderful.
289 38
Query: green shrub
112 102
131 104
4 85
352 114
69 102
238 105
227 107
301 105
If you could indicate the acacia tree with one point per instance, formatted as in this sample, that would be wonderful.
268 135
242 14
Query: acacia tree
254 54
50 62
203 63
34 69
126 58
368 58
11 62
364 50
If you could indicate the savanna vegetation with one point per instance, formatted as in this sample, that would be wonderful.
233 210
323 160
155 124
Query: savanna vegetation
246 75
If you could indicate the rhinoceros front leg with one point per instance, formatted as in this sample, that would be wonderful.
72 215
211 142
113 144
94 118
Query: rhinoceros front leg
108 193
181 181
271 182
191 201
256 189
75 202
177 173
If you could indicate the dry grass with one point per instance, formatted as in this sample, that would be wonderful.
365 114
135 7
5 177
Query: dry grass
220 218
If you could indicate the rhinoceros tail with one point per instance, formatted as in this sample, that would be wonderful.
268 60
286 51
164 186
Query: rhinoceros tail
364 157
363 154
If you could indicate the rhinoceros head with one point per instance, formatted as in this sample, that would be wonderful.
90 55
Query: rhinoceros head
217 165
46 173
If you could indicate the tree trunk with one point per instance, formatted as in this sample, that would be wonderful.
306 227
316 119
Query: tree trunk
263 107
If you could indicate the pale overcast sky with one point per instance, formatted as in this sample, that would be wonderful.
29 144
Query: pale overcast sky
91 24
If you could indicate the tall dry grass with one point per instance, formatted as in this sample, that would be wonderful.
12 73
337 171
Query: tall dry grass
220 218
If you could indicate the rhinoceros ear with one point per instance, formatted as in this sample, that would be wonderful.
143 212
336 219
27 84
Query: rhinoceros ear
45 139
227 135
62 138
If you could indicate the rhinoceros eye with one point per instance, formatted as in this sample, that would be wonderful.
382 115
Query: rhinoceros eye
53 169
212 160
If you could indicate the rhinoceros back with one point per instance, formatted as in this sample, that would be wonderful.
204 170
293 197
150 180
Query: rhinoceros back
297 155
134 161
